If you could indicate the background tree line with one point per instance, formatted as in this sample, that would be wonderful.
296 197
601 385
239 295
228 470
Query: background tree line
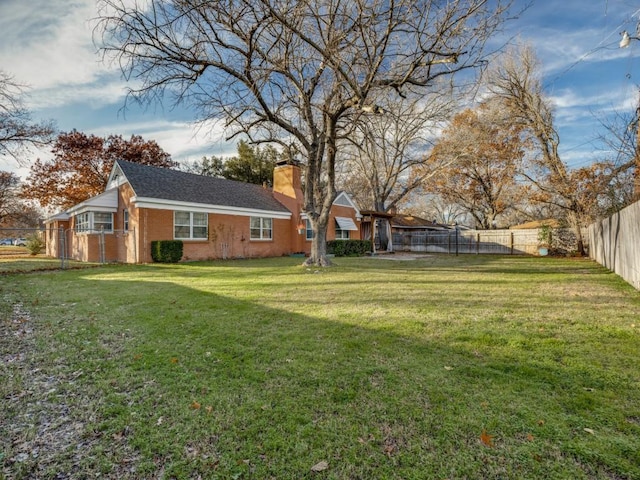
396 127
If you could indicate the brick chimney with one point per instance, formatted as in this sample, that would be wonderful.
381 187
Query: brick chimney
286 180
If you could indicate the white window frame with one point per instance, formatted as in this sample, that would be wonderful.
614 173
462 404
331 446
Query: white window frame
308 230
261 228
125 220
342 234
195 225
83 222
100 224
86 222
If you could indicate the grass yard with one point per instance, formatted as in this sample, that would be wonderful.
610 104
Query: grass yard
24 264
470 367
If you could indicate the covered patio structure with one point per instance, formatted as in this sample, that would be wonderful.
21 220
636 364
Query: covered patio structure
369 227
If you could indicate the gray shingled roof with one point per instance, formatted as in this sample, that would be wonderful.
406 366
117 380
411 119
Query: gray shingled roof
167 184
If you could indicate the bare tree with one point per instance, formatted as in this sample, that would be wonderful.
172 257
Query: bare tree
14 211
515 78
294 72
620 138
383 153
435 208
17 129
9 182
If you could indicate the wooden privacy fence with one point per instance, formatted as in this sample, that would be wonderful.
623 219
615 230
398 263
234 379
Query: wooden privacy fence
615 243
504 242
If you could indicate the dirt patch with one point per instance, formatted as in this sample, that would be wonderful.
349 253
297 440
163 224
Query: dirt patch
44 422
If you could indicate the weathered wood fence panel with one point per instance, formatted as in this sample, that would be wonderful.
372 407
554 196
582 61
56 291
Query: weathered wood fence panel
615 243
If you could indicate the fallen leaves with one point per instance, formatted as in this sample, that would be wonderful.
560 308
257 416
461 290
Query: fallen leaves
195 405
486 439
320 466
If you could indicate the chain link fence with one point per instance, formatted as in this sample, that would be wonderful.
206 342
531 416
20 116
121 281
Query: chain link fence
496 242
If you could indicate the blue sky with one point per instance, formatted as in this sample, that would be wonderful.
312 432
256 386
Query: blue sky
47 44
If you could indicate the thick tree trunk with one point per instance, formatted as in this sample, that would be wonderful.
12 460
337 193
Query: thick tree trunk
318 256
574 222
320 190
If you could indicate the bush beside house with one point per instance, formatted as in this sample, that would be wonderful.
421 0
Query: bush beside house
348 248
166 251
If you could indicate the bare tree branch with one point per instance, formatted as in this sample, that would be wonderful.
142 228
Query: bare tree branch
516 80
17 129
293 71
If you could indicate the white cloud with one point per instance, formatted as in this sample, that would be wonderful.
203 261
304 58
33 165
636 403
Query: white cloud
95 95
48 44
183 140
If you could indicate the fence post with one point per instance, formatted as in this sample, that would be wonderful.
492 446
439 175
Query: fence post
478 243
511 242
456 239
101 246
61 246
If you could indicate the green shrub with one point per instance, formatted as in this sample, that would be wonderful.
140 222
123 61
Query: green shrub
166 251
35 244
348 248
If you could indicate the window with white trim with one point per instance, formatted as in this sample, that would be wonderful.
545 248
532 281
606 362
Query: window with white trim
261 228
309 230
190 225
343 226
125 220
83 222
103 221
342 234
94 222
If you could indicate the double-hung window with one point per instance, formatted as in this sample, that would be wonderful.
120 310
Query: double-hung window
190 225
261 228
103 221
309 230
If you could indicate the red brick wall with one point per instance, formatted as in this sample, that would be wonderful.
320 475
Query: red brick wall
52 240
229 237
342 211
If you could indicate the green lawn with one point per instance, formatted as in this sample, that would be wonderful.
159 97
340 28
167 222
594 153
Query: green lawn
470 367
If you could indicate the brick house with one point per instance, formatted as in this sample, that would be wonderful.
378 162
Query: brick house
214 217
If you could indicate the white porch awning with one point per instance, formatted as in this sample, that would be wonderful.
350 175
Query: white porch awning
346 223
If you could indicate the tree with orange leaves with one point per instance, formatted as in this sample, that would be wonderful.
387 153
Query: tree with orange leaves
483 154
81 165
